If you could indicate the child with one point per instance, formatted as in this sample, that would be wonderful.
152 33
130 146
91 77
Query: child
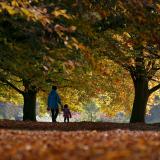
66 113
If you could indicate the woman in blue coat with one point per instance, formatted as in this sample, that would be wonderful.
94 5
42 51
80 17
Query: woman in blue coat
53 103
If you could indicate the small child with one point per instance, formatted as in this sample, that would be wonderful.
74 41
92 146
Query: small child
66 113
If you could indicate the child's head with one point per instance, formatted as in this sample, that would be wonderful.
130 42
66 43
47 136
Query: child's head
65 106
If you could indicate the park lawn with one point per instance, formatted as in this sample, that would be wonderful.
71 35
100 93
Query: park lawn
78 141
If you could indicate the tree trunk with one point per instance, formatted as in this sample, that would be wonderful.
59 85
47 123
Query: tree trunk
140 100
29 108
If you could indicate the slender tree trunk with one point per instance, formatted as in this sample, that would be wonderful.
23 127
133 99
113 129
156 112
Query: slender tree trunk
140 100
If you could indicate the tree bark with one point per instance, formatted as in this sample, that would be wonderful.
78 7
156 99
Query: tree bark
140 100
29 108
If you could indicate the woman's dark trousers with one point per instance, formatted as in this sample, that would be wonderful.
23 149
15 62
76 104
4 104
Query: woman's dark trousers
55 112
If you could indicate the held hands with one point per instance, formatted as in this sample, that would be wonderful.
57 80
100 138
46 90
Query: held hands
61 107
48 109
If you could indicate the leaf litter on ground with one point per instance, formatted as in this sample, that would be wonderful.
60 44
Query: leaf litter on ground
119 143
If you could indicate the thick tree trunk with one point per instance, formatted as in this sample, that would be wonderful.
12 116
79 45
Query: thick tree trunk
29 108
140 100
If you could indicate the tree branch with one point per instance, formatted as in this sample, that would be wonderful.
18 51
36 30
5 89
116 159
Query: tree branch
13 86
17 80
156 55
152 72
154 89
155 80
4 84
132 73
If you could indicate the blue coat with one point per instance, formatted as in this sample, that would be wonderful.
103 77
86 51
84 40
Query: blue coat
53 99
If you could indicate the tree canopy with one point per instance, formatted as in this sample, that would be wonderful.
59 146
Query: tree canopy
90 48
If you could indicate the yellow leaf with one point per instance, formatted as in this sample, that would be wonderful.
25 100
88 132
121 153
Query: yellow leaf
127 34
26 12
9 9
61 12
69 46
158 8
74 40
15 4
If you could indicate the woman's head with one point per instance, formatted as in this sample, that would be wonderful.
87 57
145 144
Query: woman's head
54 87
